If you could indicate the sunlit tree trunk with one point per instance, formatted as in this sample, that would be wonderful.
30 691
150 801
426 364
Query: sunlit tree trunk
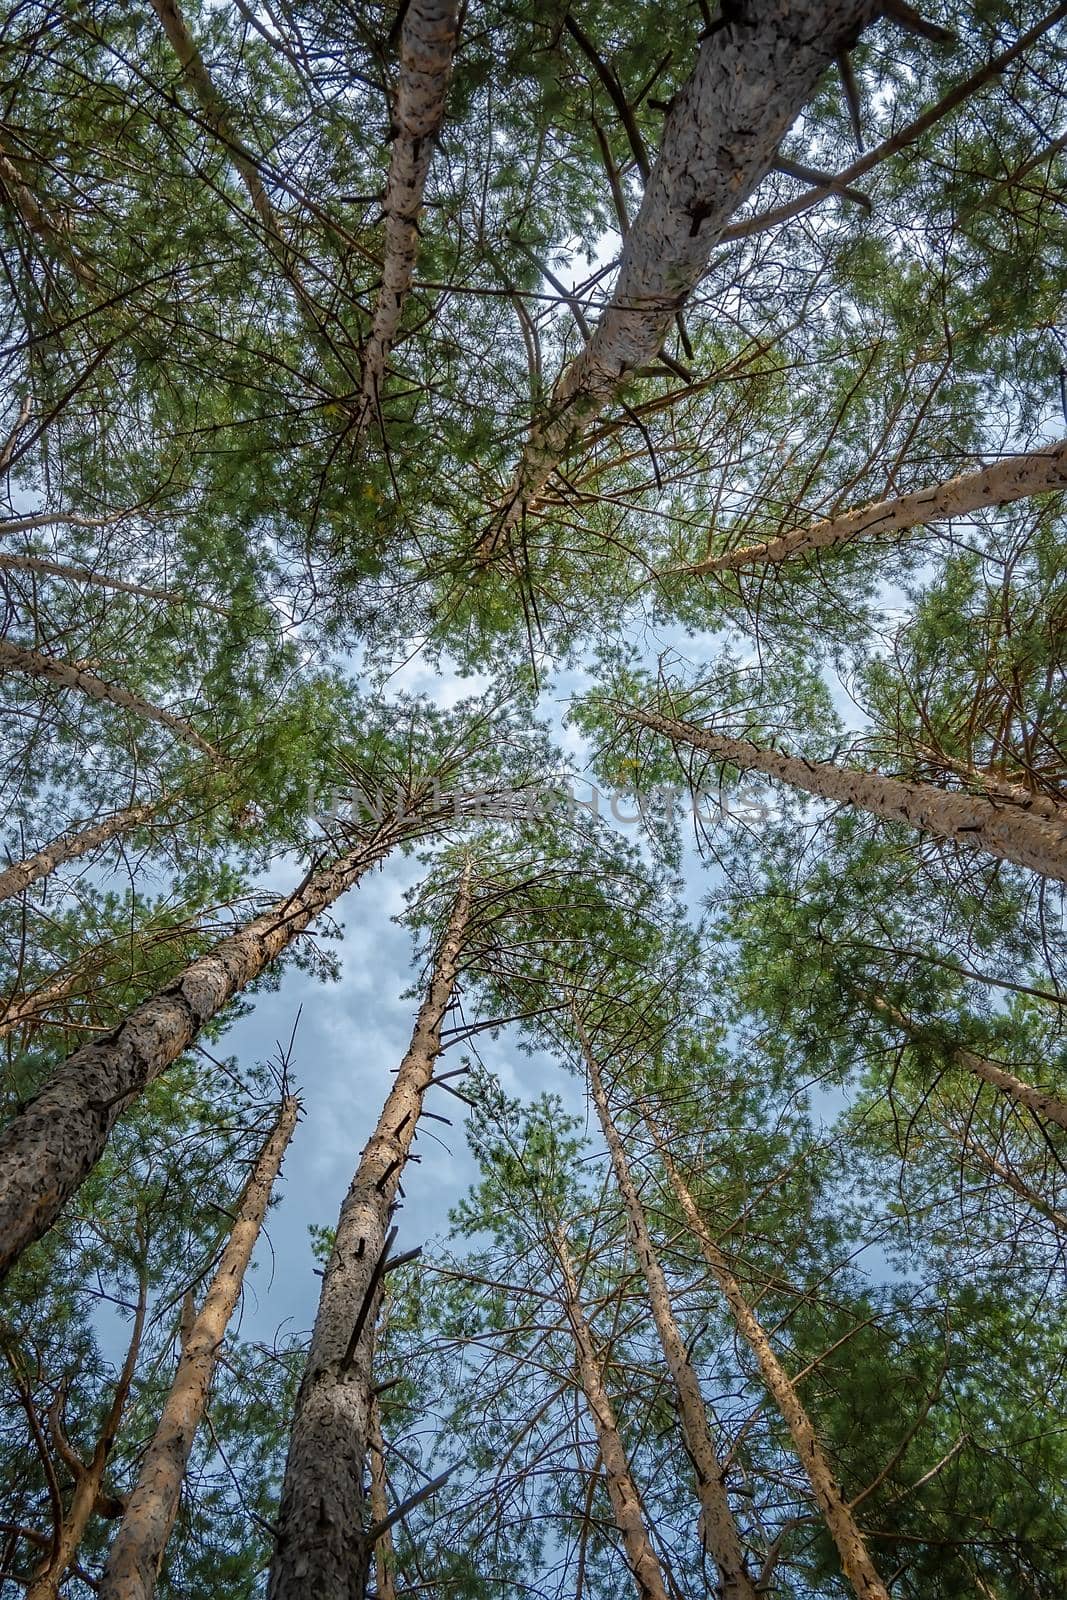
56 1140
1014 478
1006 832
851 1547
19 195
720 1535
622 1491
70 846
427 43
985 1161
756 70
64 569
32 664
322 1551
136 1553
88 1476
1044 1105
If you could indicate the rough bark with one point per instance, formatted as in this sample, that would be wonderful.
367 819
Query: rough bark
1009 833
427 45
998 788
848 1539
88 1476
753 76
137 1550
64 569
1044 1105
720 1535
1014 478
33 664
57 1138
70 846
622 1491
322 1552
23 1008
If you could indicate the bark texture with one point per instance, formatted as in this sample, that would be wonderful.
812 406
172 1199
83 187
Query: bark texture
427 46
622 1491
384 1583
70 846
136 1553
719 1530
851 1546
63 569
1044 1105
322 1552
54 1142
754 74
1014 478
23 1008
1009 833
33 664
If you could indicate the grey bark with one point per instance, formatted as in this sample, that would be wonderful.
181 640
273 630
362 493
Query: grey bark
1009 833
56 1139
1014 478
322 1552
753 76
33 664
137 1550
427 45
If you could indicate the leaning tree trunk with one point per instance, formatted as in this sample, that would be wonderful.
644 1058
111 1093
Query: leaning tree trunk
55 1141
756 70
985 1161
1014 478
427 44
32 664
1009 833
322 1550
64 569
852 1549
1042 1103
88 1476
37 219
70 846
622 1491
720 1535
136 1553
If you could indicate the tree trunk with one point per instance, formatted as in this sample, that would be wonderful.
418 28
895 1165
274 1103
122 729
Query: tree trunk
427 44
88 1479
985 1161
1007 832
998 788
720 1535
63 569
23 1008
54 1142
1044 1105
37 220
136 1553
856 1562
32 664
70 846
1013 478
622 1491
322 1552
754 74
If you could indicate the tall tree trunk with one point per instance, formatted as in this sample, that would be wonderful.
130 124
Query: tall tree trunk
427 45
1044 1105
851 1547
1013 478
622 1491
88 1477
64 569
720 1535
33 664
55 1141
38 221
998 788
322 1551
136 1553
23 1008
985 1161
70 846
756 70
1007 832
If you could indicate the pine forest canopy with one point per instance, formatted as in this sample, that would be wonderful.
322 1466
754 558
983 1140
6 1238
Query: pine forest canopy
414 417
